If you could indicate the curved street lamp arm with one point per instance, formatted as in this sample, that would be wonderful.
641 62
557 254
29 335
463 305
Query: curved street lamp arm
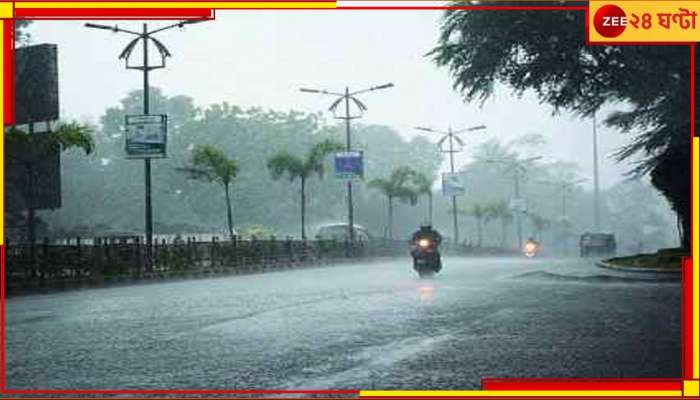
114 28
384 86
470 129
420 128
318 91
177 25
531 159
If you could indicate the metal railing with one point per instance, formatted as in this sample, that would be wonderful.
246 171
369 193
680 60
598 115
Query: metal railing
106 259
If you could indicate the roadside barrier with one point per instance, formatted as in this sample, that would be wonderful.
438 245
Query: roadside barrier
112 261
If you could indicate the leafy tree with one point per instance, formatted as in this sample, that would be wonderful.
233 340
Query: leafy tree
546 52
29 149
210 164
396 186
303 169
635 215
22 37
424 186
250 135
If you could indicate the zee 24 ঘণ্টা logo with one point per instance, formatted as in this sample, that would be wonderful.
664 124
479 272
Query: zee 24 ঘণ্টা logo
610 21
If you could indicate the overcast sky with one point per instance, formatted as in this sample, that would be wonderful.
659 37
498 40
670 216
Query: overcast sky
262 58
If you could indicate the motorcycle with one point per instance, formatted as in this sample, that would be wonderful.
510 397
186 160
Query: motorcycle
426 257
531 248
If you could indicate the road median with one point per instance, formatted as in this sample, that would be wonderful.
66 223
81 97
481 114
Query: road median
664 261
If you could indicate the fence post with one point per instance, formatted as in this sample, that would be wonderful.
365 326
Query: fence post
189 251
212 262
79 267
139 259
164 258
95 258
272 251
44 257
232 254
255 252
288 251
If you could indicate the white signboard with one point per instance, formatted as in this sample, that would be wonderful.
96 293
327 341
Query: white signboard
518 205
146 136
452 185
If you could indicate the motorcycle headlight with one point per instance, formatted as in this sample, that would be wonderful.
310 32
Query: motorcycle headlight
423 243
530 247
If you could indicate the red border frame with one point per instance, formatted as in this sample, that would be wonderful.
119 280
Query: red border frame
487 383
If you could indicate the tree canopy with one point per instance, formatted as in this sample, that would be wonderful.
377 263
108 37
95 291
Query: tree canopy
97 190
545 52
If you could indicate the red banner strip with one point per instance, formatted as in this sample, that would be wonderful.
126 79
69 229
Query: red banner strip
103 13
581 384
8 32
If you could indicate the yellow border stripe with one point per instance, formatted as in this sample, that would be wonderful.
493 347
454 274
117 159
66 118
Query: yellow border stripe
189 4
6 9
520 393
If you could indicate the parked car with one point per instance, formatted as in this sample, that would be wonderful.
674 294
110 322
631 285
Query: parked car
597 244
341 232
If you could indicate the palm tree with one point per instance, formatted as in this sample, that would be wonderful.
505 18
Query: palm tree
210 164
482 214
423 185
302 169
397 186
501 211
540 223
28 150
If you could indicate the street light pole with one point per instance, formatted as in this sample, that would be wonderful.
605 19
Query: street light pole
455 226
518 219
518 167
148 214
347 97
596 185
451 137
144 36
351 213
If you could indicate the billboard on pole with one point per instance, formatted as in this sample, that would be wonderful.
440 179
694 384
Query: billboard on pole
349 165
146 136
452 184
32 176
36 84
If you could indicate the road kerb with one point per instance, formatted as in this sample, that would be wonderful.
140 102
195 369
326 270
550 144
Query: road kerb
608 265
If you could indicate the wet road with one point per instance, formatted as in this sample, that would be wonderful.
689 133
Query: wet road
371 326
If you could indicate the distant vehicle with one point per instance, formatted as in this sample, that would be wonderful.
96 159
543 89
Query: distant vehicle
597 244
341 232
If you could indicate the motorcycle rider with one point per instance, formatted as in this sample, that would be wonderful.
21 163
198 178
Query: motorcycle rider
532 246
533 241
426 232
